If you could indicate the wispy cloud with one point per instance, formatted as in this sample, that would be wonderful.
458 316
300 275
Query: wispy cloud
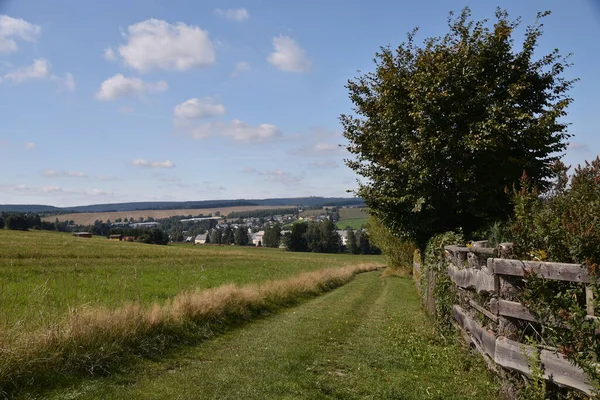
49 190
120 86
52 173
327 164
579 147
275 175
237 130
240 67
140 162
233 14
16 28
30 145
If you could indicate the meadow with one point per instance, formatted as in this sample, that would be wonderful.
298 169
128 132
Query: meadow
354 223
90 218
73 306
44 274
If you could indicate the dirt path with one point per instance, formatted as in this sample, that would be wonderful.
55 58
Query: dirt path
368 339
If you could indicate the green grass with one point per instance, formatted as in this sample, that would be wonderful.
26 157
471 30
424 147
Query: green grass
353 212
354 223
366 340
44 274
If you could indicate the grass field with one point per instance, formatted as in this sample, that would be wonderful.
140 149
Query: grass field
73 305
366 340
44 274
90 218
354 223
353 213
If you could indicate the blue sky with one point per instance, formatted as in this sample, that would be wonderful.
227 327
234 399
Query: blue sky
115 101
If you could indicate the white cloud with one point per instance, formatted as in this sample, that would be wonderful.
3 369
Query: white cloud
162 177
45 190
16 28
288 56
242 132
240 67
237 130
110 54
69 82
198 108
126 110
323 147
40 69
233 14
275 175
30 145
327 164
120 86
319 149
156 44
578 146
140 162
51 173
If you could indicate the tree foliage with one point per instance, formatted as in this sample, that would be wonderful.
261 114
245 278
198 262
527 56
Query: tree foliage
241 237
351 242
272 236
440 130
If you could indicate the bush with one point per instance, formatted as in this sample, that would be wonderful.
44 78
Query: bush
443 289
397 251
563 226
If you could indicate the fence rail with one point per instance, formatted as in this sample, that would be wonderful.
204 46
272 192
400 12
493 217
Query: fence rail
481 269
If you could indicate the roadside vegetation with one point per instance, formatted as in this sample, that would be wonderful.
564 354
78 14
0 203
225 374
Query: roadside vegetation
368 339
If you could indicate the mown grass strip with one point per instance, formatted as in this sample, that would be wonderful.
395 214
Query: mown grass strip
91 341
368 339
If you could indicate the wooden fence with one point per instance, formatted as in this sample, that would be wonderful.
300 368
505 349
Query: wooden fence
486 273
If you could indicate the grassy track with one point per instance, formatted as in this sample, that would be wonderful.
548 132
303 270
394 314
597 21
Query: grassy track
43 274
366 340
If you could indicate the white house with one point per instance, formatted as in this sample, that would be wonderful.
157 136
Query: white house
257 237
200 239
344 235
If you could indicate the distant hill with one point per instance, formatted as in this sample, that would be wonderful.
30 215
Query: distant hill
176 205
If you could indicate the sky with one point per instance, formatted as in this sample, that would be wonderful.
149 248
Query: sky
151 100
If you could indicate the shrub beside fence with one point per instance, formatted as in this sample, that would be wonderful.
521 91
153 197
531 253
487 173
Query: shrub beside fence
487 283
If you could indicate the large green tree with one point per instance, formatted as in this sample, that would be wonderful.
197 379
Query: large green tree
440 130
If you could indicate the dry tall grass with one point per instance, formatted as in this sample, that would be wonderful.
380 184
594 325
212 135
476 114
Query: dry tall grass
90 340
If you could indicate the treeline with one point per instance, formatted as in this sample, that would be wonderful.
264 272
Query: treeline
228 236
149 236
262 213
322 237
23 222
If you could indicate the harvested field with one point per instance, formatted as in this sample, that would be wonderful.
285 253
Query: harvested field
90 218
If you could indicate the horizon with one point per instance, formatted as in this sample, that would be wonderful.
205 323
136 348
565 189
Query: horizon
242 103
177 201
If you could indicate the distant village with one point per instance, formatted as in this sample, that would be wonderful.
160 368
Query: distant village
260 228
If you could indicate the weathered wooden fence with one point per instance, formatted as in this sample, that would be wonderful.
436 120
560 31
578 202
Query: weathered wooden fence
486 273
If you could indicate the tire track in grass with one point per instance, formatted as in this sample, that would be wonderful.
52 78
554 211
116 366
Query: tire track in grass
367 339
